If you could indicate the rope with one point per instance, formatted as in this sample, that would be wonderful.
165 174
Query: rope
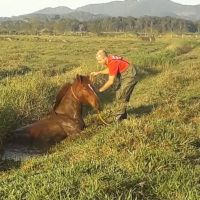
102 119
74 94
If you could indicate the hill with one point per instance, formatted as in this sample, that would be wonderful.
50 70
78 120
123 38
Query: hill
138 8
133 8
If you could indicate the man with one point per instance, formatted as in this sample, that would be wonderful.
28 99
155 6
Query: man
125 73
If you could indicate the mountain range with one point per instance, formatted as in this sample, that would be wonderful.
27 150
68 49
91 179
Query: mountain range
134 8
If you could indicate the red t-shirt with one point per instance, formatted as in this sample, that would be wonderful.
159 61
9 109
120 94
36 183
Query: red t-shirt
116 64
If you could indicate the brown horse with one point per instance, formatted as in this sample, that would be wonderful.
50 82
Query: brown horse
65 119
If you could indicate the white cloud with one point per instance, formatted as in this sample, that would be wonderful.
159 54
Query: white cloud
187 2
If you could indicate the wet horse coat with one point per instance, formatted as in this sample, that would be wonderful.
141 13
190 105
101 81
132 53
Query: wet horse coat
65 119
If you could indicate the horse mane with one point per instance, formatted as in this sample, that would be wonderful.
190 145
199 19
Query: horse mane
61 94
64 88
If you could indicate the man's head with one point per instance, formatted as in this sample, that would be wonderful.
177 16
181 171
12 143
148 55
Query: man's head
101 57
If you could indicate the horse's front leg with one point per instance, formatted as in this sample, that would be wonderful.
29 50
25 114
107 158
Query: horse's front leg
82 124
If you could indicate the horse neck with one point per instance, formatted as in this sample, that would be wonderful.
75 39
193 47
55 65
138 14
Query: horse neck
69 106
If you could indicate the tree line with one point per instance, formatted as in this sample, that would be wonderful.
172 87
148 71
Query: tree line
59 25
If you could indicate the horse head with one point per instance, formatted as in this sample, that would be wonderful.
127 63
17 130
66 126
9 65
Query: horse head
84 92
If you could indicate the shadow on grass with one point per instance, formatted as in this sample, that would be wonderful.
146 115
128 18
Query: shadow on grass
196 143
55 70
194 158
146 71
131 188
14 72
142 110
6 165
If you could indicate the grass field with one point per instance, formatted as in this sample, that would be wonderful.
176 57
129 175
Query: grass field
155 154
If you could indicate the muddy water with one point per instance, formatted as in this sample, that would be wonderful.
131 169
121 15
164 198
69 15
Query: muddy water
20 152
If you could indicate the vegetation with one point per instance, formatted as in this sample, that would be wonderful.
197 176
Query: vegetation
58 25
152 155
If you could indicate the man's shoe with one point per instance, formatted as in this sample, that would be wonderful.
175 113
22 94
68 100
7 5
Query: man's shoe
119 118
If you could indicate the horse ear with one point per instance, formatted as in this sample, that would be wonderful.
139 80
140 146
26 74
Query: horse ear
79 78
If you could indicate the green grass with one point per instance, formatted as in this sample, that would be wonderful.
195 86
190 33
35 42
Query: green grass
152 155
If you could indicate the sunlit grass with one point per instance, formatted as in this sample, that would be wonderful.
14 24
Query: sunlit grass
152 155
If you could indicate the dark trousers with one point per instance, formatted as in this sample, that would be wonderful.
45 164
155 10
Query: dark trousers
126 82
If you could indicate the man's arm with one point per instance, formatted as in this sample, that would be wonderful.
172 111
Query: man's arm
105 71
108 84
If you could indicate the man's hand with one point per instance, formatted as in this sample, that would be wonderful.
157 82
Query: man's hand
94 73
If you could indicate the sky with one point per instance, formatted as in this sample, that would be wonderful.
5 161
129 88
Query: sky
10 8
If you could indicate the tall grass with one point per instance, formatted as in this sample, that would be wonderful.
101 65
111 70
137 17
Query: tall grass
152 155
